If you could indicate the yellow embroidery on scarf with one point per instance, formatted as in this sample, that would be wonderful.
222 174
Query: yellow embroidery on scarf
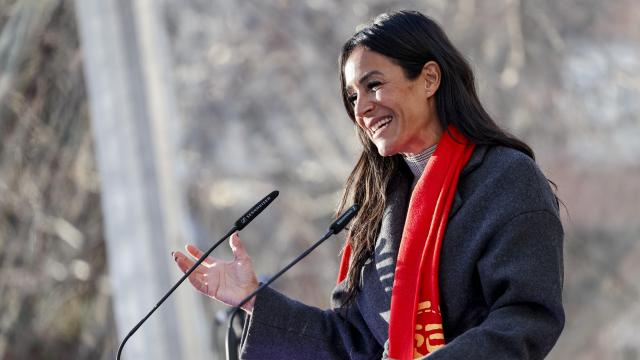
428 337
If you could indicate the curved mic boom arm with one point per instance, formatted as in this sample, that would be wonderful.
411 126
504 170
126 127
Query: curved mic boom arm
239 225
336 227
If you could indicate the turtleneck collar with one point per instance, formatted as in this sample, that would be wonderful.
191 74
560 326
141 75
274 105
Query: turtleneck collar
418 162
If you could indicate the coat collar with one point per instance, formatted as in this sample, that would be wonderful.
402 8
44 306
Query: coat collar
474 162
476 159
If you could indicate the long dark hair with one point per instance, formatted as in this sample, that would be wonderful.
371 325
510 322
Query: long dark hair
410 39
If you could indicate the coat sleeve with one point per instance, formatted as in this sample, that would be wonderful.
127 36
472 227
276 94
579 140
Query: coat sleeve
521 275
282 328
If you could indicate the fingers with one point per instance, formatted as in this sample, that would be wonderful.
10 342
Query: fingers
239 252
198 278
197 253
184 263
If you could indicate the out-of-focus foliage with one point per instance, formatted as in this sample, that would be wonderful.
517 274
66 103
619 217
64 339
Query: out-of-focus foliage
258 96
54 297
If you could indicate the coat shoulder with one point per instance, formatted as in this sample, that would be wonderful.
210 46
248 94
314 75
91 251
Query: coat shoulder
509 178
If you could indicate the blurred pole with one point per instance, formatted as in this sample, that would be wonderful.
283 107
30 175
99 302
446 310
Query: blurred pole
136 130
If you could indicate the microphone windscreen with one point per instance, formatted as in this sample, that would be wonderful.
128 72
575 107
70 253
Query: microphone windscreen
256 210
344 219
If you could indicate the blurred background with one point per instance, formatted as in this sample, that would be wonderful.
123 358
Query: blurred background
129 128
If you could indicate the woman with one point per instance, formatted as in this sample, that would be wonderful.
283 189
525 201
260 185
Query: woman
457 250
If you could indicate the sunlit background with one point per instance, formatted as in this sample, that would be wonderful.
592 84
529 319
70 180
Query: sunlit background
129 128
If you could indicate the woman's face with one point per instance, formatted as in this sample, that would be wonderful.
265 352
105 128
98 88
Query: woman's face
398 114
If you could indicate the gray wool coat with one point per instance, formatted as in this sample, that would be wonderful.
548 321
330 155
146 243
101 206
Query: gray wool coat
501 275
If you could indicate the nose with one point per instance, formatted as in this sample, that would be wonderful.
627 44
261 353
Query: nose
362 106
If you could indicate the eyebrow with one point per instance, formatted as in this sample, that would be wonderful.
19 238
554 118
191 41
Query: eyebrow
366 77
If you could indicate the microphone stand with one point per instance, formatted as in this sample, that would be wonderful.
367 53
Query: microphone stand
336 227
239 225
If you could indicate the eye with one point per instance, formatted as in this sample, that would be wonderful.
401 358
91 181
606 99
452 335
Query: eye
373 85
351 98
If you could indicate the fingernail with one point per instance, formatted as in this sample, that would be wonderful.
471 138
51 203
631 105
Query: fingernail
173 254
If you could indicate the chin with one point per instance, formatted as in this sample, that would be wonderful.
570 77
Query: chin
385 150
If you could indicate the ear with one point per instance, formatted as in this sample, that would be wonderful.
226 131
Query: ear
431 76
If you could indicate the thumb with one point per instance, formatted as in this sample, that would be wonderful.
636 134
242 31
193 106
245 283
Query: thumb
239 252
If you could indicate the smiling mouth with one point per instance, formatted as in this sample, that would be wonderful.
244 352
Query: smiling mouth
380 125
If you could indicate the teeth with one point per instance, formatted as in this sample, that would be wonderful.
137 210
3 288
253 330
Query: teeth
380 124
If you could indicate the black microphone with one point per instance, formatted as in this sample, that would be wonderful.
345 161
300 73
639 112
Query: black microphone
336 227
239 225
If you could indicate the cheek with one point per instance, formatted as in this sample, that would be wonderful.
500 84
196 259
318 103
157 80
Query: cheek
382 96
360 123
390 98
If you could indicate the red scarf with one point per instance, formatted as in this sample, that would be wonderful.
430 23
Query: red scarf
415 326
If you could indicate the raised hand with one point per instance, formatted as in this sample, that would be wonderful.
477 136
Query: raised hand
226 281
